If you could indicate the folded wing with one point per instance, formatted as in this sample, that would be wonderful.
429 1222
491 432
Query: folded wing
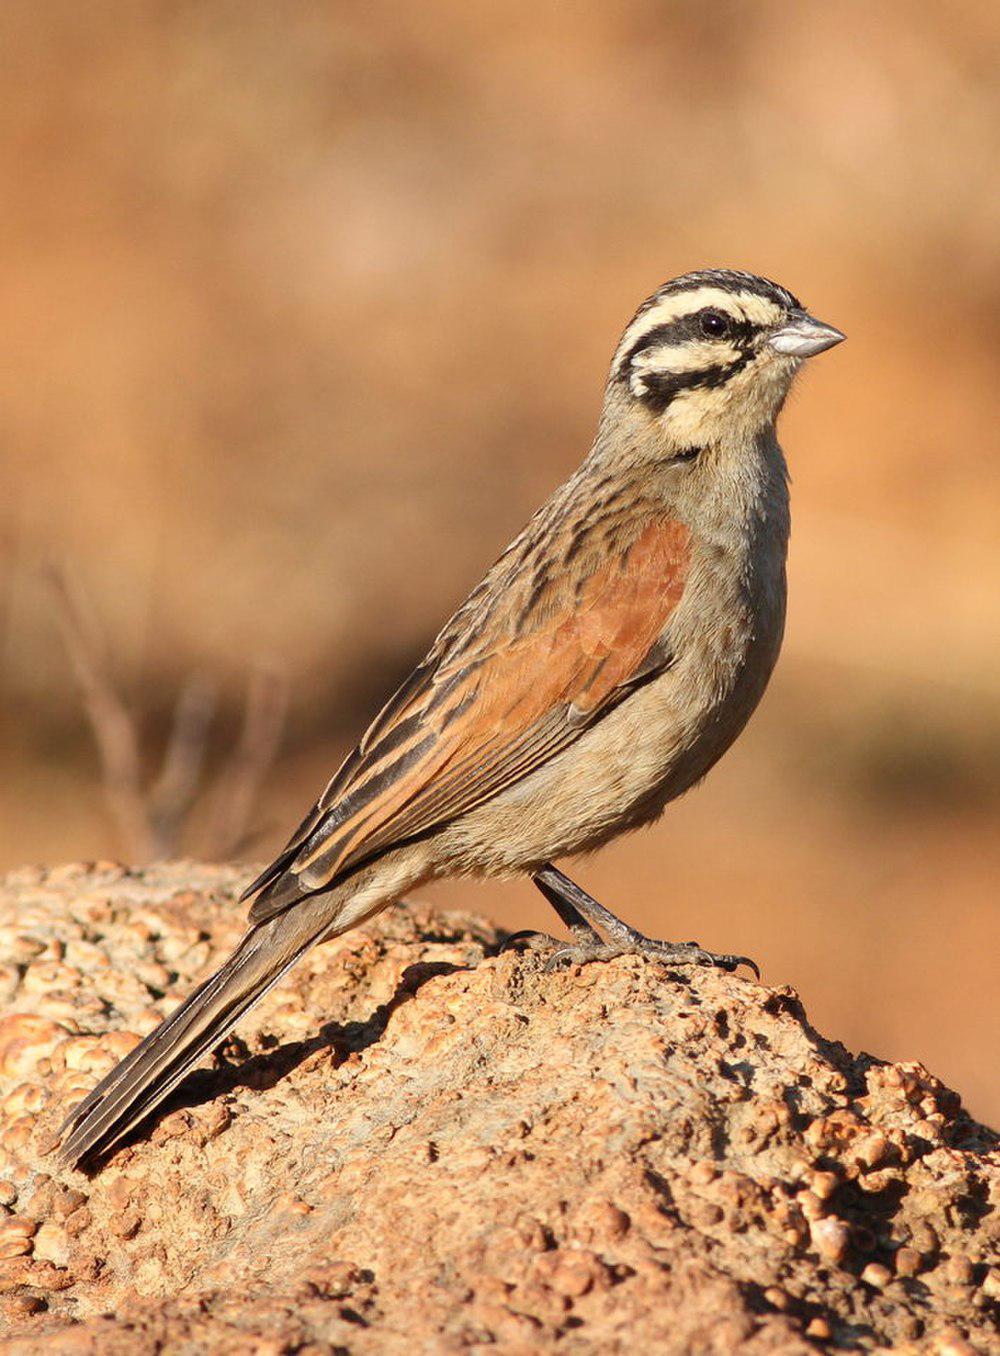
516 676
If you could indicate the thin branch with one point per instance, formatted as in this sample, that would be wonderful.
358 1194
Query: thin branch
239 783
111 721
150 820
173 793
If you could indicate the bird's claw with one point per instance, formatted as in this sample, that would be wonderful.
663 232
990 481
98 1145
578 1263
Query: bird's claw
528 939
733 963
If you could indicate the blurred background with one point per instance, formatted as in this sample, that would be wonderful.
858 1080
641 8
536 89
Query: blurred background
306 308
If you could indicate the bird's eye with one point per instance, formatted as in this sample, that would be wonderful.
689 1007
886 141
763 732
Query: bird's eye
714 325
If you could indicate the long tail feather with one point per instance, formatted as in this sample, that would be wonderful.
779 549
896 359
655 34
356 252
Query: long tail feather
154 1068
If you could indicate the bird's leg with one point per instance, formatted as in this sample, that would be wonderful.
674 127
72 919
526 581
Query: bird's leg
584 935
584 915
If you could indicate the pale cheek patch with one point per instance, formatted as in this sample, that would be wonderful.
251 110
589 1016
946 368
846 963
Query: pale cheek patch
689 416
693 356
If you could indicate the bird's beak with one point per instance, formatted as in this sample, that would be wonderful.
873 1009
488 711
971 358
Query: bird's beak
802 336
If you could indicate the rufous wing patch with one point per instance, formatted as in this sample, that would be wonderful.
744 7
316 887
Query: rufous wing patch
503 703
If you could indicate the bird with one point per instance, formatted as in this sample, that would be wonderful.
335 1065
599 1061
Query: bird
607 660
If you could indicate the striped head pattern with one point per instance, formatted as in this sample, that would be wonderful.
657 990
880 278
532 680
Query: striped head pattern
714 352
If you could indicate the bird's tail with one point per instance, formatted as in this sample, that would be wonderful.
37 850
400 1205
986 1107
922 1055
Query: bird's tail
151 1071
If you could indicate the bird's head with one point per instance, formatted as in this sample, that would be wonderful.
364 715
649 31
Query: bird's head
710 356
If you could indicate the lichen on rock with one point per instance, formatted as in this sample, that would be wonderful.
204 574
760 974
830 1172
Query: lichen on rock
415 1143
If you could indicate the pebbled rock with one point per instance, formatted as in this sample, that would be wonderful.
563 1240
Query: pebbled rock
417 1145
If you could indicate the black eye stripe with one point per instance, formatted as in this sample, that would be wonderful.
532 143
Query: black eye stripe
676 332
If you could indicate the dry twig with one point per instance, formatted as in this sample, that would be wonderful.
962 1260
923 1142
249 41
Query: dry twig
151 820
239 783
174 791
111 721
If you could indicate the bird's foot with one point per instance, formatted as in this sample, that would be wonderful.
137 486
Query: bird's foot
634 943
583 915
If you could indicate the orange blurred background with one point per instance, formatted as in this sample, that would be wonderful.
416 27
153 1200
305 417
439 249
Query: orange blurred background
308 306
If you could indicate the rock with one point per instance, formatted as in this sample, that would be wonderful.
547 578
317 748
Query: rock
415 1144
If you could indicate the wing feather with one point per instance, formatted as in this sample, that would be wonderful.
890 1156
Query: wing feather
494 699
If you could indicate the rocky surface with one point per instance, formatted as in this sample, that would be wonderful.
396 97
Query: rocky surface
418 1145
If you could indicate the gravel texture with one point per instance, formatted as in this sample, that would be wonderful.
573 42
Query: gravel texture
417 1145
